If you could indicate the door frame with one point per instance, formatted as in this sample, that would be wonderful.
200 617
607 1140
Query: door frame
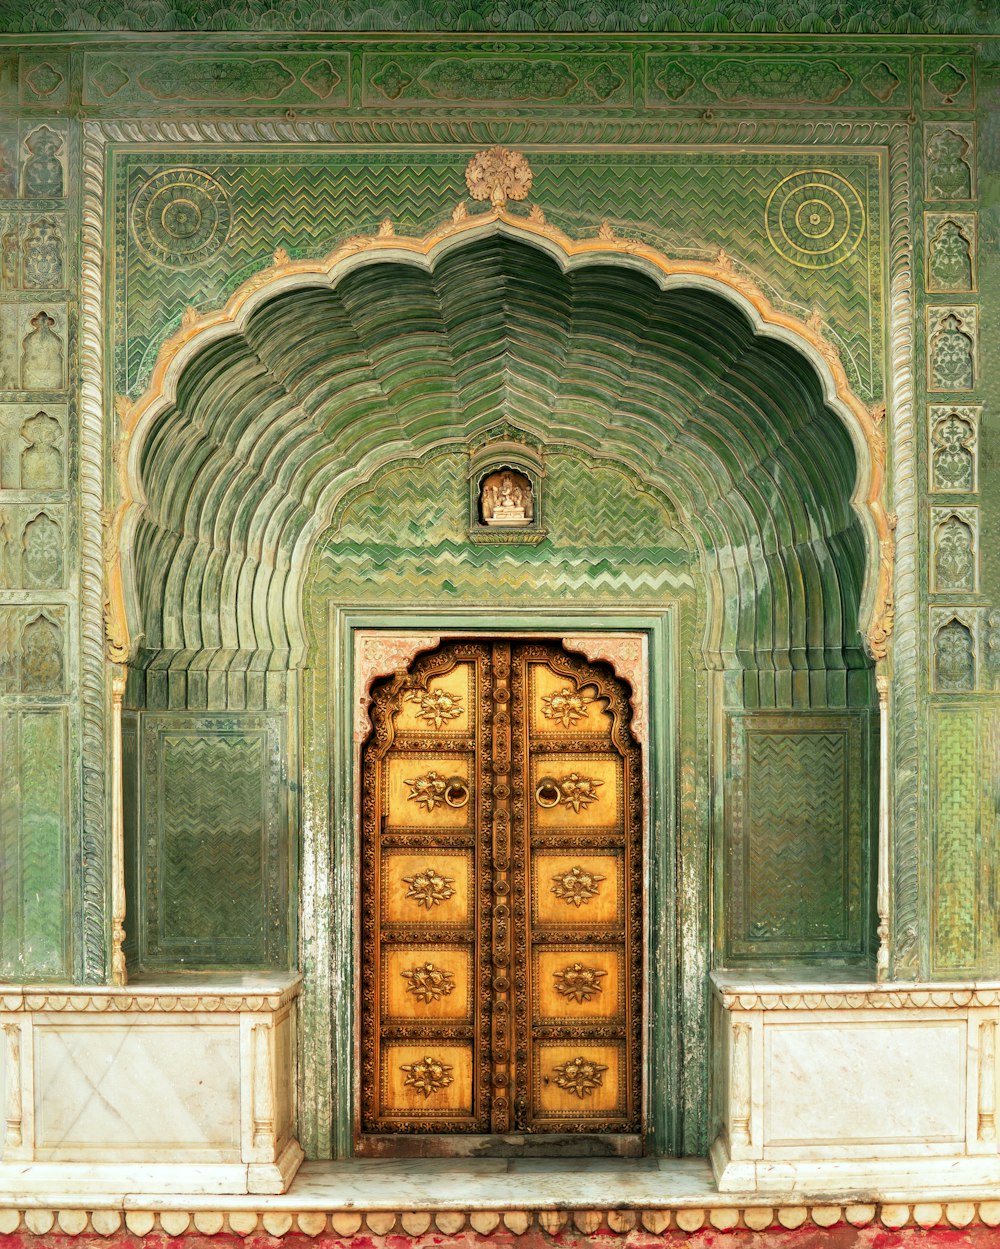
350 628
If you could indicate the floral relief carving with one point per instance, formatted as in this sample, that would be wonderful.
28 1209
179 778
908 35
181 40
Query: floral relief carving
578 982
428 983
428 1075
949 164
566 706
580 1076
575 790
950 253
435 706
432 790
499 175
428 888
954 549
576 886
953 349
954 657
954 438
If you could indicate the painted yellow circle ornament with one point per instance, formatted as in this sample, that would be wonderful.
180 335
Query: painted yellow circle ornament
815 219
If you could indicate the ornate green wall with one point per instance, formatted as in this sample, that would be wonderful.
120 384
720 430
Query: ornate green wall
852 180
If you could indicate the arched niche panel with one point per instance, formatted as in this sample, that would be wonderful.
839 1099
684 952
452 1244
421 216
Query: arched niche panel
320 386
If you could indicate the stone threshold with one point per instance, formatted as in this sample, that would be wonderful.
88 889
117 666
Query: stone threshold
509 1197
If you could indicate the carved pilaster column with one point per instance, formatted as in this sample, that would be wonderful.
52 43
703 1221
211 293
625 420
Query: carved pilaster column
987 1122
119 972
739 1086
883 893
13 1103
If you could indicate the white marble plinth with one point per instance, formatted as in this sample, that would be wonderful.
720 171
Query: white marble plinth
829 1088
157 1088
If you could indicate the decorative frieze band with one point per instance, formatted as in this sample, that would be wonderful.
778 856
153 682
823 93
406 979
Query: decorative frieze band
887 998
568 1224
159 999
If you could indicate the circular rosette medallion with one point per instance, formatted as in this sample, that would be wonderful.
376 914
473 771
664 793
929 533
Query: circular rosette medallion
180 217
815 219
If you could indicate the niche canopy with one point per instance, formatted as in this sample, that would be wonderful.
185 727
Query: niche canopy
261 416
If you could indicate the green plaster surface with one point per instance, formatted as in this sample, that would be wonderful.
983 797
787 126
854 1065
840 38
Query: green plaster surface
831 17
309 200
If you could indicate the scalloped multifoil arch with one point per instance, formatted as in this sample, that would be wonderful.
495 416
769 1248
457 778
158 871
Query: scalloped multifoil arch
199 334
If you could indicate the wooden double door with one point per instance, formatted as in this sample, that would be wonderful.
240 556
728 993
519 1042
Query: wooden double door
501 907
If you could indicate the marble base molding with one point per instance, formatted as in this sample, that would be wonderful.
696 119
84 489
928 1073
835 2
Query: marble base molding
610 1224
155 1088
833 1088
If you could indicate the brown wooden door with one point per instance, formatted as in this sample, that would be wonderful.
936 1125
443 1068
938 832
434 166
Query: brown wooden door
501 897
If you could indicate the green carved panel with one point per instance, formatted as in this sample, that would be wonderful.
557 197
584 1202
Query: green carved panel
798 837
212 850
821 17
809 226
965 834
406 539
34 843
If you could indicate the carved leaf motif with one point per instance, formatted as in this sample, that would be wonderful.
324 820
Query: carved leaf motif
429 790
428 983
579 982
575 790
428 888
576 886
428 1075
580 1076
566 705
436 706
498 175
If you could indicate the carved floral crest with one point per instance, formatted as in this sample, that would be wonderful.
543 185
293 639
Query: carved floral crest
499 175
435 706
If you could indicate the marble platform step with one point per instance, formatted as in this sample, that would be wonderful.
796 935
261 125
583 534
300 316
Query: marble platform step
489 1200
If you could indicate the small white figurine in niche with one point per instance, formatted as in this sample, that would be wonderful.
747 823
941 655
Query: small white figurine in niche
506 498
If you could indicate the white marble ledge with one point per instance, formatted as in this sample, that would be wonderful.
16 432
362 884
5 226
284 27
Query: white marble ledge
826 990
571 1184
253 991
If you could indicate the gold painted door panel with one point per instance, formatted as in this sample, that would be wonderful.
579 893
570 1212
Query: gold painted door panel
501 897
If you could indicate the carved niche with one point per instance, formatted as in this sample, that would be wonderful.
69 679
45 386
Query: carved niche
505 484
43 170
949 164
42 355
42 458
954 448
954 660
951 348
951 251
955 549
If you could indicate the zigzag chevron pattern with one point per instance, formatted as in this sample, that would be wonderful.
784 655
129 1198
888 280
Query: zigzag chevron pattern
797 836
404 538
324 388
957 863
676 202
44 852
212 852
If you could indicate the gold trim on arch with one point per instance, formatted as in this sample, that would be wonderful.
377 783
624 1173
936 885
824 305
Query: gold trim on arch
285 273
